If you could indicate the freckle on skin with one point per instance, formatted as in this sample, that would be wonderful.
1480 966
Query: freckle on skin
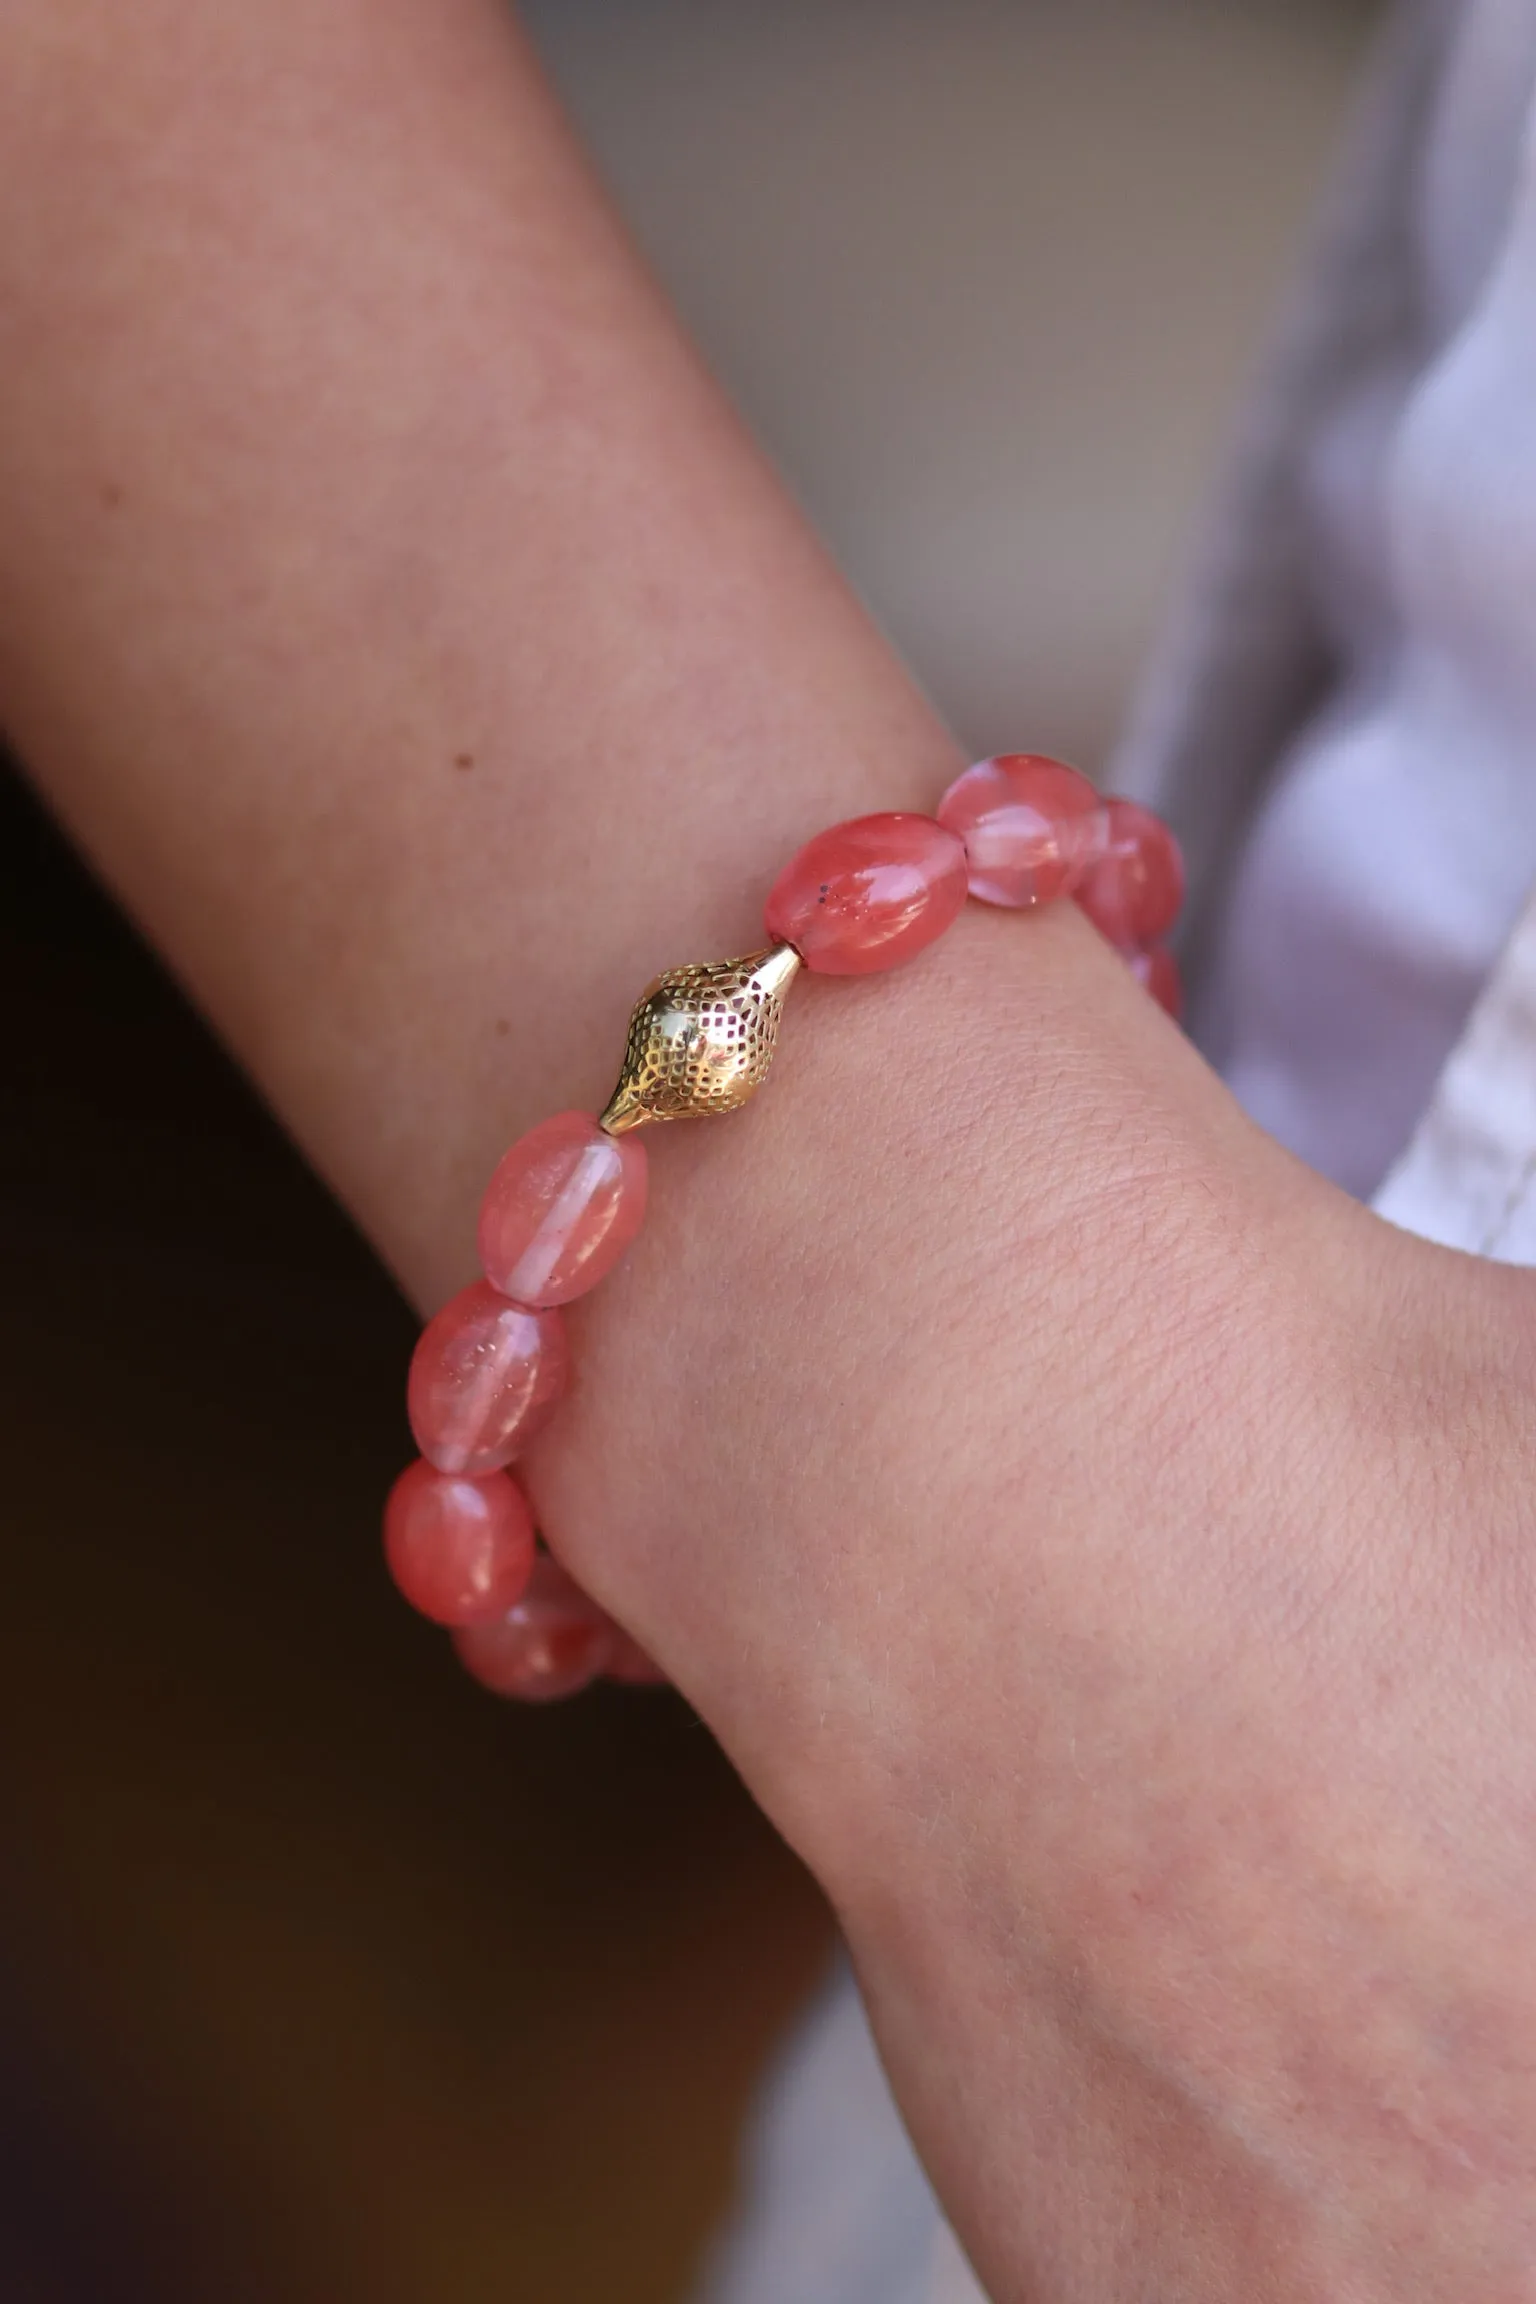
463 759
111 494
502 1027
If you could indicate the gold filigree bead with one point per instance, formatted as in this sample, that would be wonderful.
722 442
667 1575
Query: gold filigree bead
702 1039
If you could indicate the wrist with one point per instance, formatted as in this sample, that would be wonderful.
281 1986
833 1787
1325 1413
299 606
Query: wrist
836 1369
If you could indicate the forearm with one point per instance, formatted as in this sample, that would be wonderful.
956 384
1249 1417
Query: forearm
415 640
387 600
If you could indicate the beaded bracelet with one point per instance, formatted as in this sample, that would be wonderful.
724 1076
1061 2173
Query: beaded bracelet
568 1199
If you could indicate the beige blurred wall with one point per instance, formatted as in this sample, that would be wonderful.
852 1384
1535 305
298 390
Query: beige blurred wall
987 276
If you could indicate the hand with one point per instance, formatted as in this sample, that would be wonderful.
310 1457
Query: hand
1106 1550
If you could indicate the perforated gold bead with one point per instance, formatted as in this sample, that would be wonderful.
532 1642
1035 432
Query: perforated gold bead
702 1039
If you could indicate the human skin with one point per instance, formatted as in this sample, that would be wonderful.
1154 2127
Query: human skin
1103 1548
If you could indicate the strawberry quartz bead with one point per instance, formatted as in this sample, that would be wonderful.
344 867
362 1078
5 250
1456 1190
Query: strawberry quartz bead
1031 827
868 894
630 1665
553 1642
1158 972
1133 894
561 1209
460 1550
484 1377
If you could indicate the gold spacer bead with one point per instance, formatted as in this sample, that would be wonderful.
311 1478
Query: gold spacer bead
702 1039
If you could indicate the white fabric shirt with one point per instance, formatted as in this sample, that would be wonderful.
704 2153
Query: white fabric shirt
1386 872
1342 727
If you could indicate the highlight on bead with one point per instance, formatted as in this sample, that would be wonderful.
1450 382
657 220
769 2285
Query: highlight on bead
1031 827
1133 894
562 1208
1018 830
554 1641
461 1550
483 1380
868 894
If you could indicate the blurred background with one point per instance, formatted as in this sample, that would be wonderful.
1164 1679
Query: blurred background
322 1976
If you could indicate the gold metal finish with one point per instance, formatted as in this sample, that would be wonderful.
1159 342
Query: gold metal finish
702 1039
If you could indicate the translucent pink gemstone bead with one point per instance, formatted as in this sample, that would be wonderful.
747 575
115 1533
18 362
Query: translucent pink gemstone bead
561 1209
1158 971
1133 894
484 1377
630 1665
460 1550
554 1642
868 893
1031 827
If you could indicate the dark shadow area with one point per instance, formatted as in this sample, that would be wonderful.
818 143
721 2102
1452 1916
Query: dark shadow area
356 1982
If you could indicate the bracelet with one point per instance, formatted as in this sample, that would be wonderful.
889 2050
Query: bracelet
567 1200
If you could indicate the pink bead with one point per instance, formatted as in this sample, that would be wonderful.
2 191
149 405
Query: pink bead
868 894
1133 894
561 1209
460 1550
1031 827
1158 971
554 1642
484 1376
630 1664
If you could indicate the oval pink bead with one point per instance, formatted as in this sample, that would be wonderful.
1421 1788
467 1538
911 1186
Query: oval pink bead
460 1550
1031 827
1157 972
868 893
484 1376
553 1642
1133 894
631 1666
561 1209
